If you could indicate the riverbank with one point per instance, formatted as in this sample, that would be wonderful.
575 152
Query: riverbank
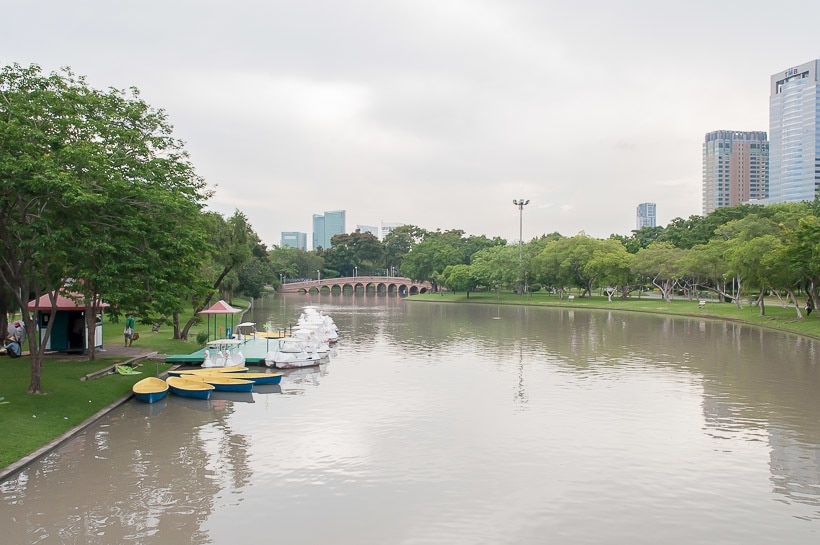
778 317
33 424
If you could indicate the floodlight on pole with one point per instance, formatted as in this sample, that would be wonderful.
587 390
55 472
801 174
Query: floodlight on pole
520 203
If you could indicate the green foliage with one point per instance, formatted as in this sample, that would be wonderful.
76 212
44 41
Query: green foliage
96 189
202 338
356 250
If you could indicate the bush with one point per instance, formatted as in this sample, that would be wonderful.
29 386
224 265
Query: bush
202 338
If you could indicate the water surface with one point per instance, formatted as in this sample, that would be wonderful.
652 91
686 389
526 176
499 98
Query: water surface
460 424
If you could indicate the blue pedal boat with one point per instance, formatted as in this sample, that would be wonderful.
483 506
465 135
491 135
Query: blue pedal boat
262 378
194 389
221 383
150 389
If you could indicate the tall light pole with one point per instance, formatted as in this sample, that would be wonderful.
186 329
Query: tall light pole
318 275
355 271
521 203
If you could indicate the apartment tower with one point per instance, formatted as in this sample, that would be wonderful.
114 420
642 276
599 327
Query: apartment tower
735 168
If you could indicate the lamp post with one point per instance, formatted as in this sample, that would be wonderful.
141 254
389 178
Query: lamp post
521 203
355 271
281 278
318 275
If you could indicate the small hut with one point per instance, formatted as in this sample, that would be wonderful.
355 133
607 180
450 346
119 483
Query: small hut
220 307
70 330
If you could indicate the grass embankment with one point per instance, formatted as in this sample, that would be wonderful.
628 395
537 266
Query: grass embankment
31 421
777 316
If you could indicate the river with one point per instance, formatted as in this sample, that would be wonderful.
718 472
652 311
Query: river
460 424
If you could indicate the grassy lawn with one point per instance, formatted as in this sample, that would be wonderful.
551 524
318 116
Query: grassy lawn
31 421
777 317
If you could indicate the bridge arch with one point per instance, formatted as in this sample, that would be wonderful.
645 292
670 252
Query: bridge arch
360 285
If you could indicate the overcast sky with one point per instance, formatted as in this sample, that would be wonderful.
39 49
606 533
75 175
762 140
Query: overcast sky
436 113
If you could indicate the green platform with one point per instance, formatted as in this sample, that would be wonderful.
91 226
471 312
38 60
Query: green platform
254 350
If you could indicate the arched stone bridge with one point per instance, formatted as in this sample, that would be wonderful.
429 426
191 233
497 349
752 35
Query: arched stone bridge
370 285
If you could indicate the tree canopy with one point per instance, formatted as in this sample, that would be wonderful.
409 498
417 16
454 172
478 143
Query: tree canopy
97 196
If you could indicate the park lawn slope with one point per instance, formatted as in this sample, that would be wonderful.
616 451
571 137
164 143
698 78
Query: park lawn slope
777 316
31 421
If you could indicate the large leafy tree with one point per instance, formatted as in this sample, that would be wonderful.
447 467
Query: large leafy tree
563 262
398 243
256 272
232 244
610 264
661 262
459 278
95 188
357 249
430 257
293 263
496 266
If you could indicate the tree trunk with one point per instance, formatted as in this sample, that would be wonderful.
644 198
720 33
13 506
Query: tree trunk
739 296
175 320
760 302
796 305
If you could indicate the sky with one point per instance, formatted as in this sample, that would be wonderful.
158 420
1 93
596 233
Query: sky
436 113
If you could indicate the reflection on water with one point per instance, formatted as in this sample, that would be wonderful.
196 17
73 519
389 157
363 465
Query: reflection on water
438 423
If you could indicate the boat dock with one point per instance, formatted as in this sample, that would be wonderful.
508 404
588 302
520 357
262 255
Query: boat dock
253 348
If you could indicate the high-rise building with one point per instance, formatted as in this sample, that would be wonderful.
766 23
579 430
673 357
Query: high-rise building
372 229
294 239
794 131
380 231
646 216
326 226
735 168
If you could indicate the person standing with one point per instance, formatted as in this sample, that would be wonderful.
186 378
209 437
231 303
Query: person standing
130 323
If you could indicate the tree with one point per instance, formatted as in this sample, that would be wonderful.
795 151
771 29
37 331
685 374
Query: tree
495 266
362 250
611 264
93 186
459 278
736 233
398 243
563 262
660 261
232 244
295 263
430 257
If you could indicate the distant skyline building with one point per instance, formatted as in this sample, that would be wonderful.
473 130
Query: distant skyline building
326 226
794 131
735 168
380 231
294 239
646 216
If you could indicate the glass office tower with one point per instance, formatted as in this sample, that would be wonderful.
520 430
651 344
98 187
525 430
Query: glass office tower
326 226
646 216
794 134
294 239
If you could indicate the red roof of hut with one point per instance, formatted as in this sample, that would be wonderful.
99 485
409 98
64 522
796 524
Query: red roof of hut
220 307
72 302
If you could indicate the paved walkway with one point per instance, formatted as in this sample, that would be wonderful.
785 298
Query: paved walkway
118 350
